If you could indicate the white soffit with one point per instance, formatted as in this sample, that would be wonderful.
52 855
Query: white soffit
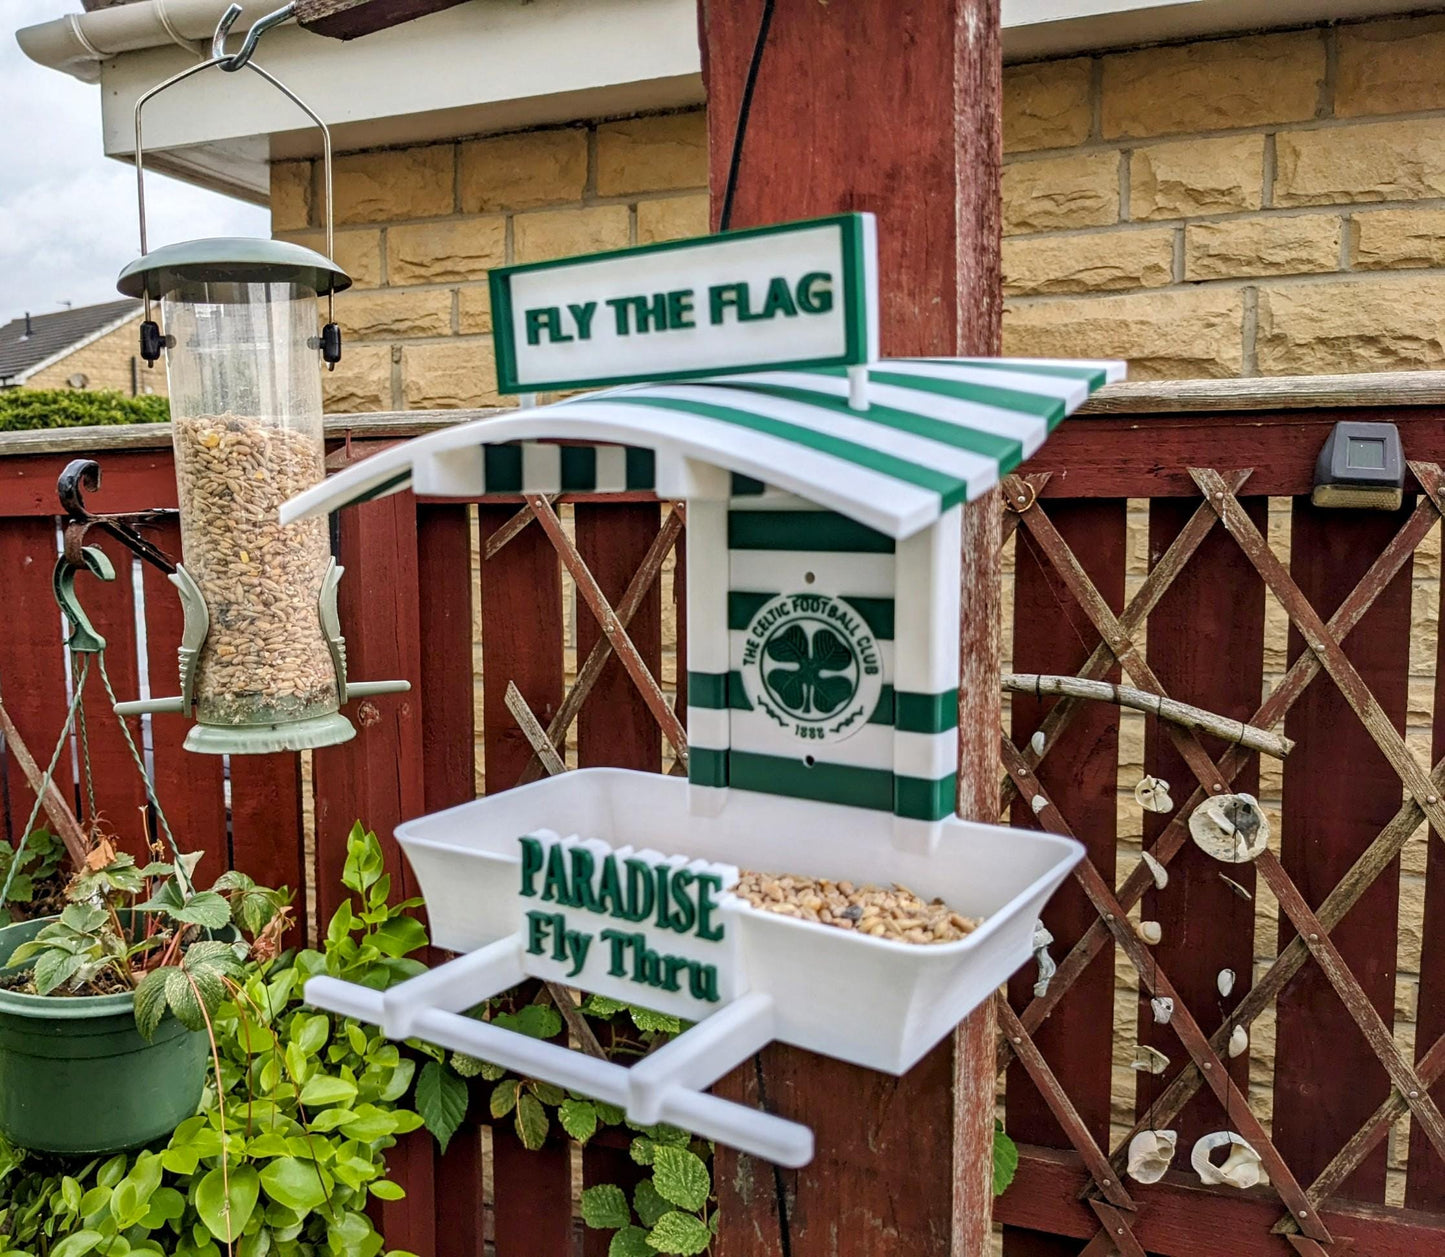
491 65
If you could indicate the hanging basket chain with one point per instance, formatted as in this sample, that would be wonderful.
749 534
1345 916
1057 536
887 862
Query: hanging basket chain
83 735
75 718
183 877
60 744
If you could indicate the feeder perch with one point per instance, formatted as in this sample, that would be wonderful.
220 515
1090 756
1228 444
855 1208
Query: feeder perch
262 660
823 585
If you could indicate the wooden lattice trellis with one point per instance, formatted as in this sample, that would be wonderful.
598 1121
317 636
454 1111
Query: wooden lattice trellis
1111 1201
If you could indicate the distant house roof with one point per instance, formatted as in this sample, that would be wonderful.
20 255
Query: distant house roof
51 335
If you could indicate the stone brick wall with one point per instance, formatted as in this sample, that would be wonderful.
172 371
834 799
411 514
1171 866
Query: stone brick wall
419 228
1264 205
106 364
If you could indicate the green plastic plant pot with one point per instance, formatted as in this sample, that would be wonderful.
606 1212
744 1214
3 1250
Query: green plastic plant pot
75 1075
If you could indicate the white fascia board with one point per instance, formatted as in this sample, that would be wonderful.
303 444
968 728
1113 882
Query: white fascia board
473 68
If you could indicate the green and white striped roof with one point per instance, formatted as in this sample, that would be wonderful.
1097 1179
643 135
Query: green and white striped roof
937 432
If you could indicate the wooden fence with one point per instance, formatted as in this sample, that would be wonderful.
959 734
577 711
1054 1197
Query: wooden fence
1336 1097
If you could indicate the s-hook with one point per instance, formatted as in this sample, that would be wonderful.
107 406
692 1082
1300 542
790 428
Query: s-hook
259 27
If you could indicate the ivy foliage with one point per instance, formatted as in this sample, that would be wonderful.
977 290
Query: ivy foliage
28 409
289 1144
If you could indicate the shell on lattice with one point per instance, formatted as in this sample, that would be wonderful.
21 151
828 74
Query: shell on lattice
1225 982
1148 1060
1038 803
1241 1168
1156 870
1047 967
1150 931
1230 827
1152 794
1037 742
1163 1008
1238 1041
1150 1152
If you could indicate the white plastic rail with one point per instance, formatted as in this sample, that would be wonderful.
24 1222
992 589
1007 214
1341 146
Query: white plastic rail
667 1086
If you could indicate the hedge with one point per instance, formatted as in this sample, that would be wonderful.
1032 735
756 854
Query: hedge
26 409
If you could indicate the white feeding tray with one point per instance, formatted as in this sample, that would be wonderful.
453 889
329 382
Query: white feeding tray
748 976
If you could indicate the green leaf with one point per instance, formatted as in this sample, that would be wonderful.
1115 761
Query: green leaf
548 1093
646 1019
466 1066
363 859
602 1006
54 968
604 1207
681 1177
206 909
321 1090
679 1233
631 1241
1005 1162
441 1099
531 1122
649 1205
212 1200
642 1150
310 1033
578 1118
78 1243
150 1001
540 1021
504 1097
130 1202
384 1189
294 1183
165 1205
399 936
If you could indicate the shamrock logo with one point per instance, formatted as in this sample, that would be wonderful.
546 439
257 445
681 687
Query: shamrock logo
813 676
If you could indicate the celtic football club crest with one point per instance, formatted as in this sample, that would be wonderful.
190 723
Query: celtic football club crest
811 663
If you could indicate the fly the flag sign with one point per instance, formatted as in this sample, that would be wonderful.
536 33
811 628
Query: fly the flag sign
793 296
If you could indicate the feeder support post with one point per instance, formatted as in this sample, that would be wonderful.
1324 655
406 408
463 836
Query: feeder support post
892 108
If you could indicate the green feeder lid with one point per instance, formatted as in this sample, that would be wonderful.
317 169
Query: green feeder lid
232 260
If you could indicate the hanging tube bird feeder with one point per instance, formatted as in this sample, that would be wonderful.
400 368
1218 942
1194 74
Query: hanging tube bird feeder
262 660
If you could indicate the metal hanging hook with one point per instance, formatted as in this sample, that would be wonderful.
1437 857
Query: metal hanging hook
238 60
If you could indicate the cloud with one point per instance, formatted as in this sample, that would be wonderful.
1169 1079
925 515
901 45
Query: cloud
68 212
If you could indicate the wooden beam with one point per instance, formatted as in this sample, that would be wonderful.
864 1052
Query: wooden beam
903 1166
351 19
1180 1218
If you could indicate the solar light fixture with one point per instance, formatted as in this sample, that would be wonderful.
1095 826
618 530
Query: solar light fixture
1360 467
262 661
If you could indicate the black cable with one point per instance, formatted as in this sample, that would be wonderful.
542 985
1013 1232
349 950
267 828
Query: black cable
725 218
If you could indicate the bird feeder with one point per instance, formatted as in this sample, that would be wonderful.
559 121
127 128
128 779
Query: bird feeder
824 498
262 664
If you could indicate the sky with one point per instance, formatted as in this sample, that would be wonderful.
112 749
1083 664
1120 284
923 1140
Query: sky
68 212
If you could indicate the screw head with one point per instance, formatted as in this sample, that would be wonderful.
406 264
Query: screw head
1430 798
1414 1095
1314 938
1208 1064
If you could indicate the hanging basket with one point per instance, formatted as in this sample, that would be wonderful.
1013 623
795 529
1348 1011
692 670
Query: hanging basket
77 1078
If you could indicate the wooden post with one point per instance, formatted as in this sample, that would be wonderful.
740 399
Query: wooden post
892 108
